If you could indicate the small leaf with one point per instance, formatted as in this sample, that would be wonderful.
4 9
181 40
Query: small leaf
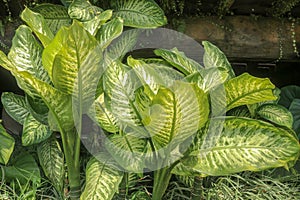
34 132
15 105
139 13
55 15
38 25
51 159
233 144
214 57
179 60
102 178
83 10
276 114
109 31
7 144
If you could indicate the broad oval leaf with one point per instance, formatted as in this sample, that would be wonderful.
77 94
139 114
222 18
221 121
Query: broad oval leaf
295 110
102 178
15 105
288 94
176 114
139 13
76 48
51 159
243 90
179 60
23 169
83 10
109 31
276 114
38 25
214 57
7 144
37 108
34 132
233 144
128 151
26 53
55 15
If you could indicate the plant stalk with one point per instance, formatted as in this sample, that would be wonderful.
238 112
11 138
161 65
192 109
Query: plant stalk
197 192
161 182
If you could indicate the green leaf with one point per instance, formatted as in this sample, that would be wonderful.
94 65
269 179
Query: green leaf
83 10
208 79
102 178
34 132
154 75
109 31
15 105
38 25
51 159
95 23
179 60
233 144
214 57
77 45
7 144
120 84
26 53
123 44
295 110
243 90
38 109
288 94
128 151
23 168
139 13
104 117
276 114
176 114
55 15
66 2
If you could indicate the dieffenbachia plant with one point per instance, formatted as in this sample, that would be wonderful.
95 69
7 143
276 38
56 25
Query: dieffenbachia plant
166 115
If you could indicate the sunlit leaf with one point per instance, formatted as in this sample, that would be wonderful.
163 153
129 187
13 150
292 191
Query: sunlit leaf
51 159
102 178
83 10
38 25
276 114
34 132
15 105
214 57
179 60
235 144
139 13
95 23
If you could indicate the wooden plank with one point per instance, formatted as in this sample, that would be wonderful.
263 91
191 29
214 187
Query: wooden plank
246 37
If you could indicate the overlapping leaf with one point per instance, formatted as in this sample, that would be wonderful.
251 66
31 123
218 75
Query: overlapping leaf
38 25
102 178
235 144
179 60
15 105
34 132
276 114
214 57
139 13
51 159
83 10
95 23
7 144
55 15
